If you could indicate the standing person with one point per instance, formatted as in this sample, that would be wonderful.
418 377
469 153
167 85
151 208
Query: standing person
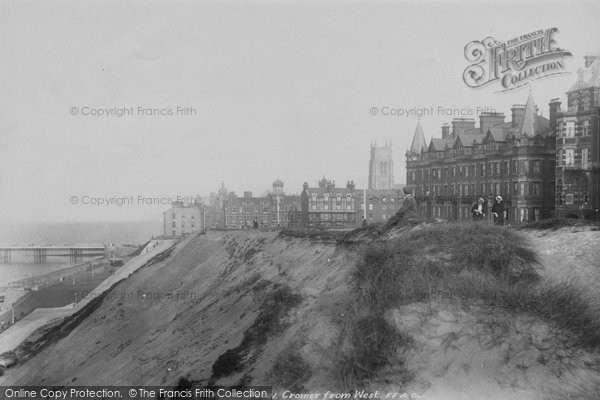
255 224
406 214
498 210
479 209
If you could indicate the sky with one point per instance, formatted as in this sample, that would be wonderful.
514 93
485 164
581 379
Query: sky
272 89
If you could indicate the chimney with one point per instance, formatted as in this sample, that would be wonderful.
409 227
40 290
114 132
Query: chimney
554 107
518 112
589 59
488 119
350 185
445 131
460 125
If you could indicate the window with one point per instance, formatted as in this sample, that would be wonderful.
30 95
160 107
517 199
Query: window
524 214
348 207
585 128
569 157
559 157
570 129
535 188
537 167
339 207
314 207
524 167
585 161
370 206
569 198
173 216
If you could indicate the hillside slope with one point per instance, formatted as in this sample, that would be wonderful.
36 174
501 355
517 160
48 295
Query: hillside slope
216 283
253 307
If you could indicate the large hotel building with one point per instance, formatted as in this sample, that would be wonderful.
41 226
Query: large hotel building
542 167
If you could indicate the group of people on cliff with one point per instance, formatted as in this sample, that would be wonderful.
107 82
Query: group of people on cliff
499 211
408 214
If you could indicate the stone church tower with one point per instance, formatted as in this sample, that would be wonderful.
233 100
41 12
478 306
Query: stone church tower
381 167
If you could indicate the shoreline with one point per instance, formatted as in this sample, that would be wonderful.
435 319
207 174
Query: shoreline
13 335
52 277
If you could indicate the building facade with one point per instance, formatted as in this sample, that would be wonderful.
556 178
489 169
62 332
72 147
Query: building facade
513 159
578 145
182 219
381 167
326 206
275 209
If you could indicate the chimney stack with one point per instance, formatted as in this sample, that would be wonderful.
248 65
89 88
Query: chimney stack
554 107
518 112
488 119
445 131
461 125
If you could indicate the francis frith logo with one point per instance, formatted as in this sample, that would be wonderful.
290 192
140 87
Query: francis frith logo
516 62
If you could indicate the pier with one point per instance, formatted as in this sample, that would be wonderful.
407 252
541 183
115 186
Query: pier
40 253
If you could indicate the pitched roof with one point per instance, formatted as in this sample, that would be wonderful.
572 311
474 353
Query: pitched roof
440 144
529 124
497 132
418 142
467 139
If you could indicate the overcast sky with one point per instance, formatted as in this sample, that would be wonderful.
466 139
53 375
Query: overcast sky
281 89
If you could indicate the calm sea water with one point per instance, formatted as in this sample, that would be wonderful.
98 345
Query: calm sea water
23 268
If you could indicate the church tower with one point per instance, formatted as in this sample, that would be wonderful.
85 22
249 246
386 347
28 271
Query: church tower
381 167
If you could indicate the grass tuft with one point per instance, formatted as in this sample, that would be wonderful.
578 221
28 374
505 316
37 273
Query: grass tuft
465 261
290 370
471 262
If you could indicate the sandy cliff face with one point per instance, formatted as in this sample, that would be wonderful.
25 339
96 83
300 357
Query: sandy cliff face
175 318
260 308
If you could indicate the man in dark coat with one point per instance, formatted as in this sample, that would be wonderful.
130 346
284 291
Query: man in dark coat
498 211
407 214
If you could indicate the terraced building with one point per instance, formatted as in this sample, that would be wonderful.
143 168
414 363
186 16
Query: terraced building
514 159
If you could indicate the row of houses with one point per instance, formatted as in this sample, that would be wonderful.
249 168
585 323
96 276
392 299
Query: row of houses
321 206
